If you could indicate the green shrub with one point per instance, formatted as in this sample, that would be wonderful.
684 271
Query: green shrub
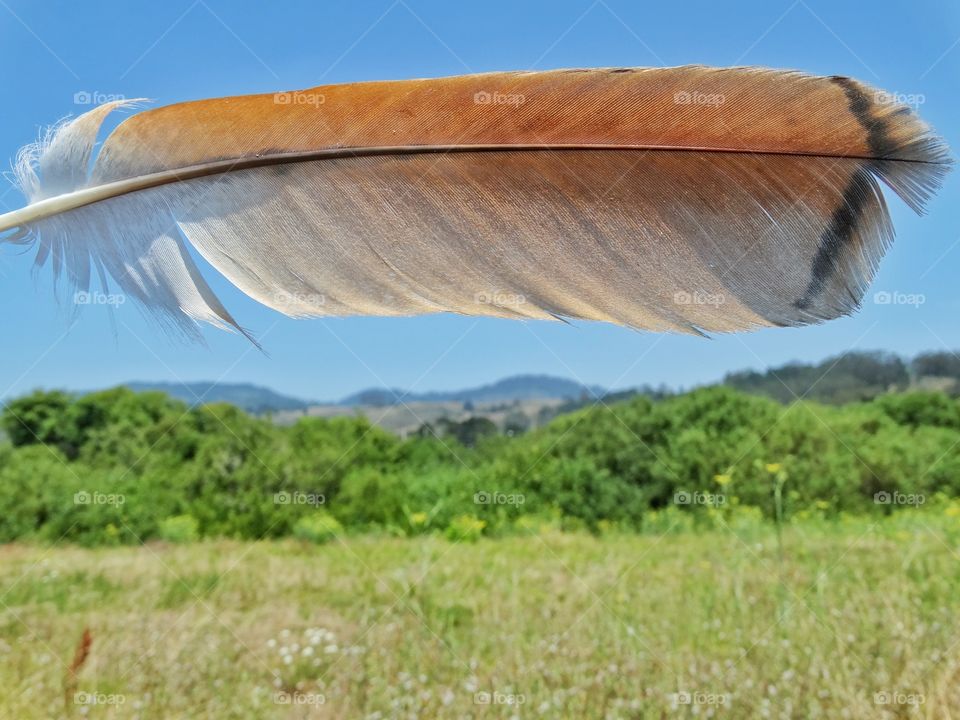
179 529
465 528
317 528
34 484
368 497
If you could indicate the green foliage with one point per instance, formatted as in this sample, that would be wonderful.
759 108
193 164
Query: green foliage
34 487
465 528
922 408
44 418
179 529
469 432
319 528
120 467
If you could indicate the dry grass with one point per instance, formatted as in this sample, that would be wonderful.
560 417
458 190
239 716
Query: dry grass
544 626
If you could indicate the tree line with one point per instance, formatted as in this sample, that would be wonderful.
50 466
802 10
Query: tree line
124 467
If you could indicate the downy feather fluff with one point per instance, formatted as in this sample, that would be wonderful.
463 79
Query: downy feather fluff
685 199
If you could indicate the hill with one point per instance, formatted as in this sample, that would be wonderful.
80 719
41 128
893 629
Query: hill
247 396
517 387
852 377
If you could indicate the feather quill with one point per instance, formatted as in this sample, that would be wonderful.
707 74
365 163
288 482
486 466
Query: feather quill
686 199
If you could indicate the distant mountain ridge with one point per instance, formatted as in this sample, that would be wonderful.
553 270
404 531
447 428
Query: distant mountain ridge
517 387
852 377
247 396
258 399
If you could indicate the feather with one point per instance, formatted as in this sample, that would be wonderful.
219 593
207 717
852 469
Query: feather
685 199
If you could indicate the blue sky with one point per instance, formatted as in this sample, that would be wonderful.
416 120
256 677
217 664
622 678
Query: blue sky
186 49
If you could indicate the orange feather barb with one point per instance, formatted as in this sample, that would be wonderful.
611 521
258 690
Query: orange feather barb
685 199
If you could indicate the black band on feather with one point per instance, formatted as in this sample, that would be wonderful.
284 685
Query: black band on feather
845 218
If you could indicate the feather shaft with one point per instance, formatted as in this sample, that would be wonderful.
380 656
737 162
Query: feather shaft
86 196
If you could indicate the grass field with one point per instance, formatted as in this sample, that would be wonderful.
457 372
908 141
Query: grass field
851 620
